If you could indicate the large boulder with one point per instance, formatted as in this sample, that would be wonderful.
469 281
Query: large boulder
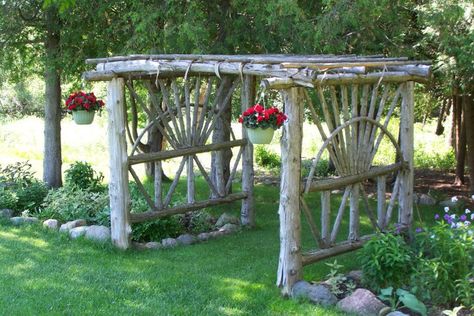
6 213
425 199
317 294
204 236
227 219
98 233
186 239
51 223
77 232
72 224
361 302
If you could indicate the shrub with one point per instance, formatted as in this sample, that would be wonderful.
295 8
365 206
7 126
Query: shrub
8 199
67 204
386 261
446 254
167 227
31 197
266 158
82 175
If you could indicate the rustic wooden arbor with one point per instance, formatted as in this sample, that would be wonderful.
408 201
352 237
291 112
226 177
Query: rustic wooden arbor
357 96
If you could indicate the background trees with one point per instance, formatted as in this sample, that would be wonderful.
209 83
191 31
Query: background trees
53 37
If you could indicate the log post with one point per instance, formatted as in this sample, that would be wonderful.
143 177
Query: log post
118 185
406 146
290 262
247 212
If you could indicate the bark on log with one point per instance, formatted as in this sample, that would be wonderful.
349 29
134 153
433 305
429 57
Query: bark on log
290 267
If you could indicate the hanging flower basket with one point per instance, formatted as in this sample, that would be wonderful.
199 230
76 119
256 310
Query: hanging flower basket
261 123
259 135
83 106
83 117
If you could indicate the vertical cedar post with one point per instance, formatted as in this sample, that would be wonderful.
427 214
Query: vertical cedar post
247 213
290 261
406 146
118 186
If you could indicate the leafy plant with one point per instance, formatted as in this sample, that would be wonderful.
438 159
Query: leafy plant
259 117
17 175
158 229
266 159
8 199
31 197
340 285
81 175
65 204
401 296
454 311
386 260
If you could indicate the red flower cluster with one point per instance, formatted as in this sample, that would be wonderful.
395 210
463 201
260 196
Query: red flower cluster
258 116
83 101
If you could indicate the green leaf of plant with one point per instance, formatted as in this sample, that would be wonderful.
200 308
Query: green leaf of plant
411 302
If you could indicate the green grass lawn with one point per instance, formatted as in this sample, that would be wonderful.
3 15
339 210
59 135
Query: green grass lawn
47 273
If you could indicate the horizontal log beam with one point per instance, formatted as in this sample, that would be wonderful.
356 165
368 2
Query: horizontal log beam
331 184
266 59
150 215
343 247
188 151
392 76
324 66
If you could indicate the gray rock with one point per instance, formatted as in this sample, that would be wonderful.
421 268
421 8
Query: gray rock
216 234
425 199
153 245
356 276
138 245
361 302
229 228
449 204
77 232
51 223
98 233
6 212
416 198
397 313
19 220
203 236
169 242
227 219
186 239
72 224
317 294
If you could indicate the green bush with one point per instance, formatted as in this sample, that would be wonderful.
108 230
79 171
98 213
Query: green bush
323 169
67 204
433 160
82 175
20 189
266 159
168 227
8 199
386 261
446 256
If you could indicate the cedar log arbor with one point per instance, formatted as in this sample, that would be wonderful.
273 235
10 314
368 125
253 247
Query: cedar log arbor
187 97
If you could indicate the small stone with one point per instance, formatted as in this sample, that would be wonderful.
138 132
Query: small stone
51 223
356 276
425 199
77 232
397 313
18 220
72 224
216 234
153 245
449 203
6 212
229 228
186 239
138 245
169 242
361 302
317 294
227 219
203 236
98 233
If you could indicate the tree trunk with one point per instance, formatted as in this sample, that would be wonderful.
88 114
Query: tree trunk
52 109
460 141
468 104
220 163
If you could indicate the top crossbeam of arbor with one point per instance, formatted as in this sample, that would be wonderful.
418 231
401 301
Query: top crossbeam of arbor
278 71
